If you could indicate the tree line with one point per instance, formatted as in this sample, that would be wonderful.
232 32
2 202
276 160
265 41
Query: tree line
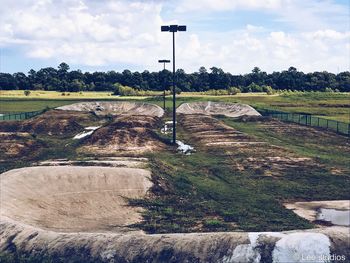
63 79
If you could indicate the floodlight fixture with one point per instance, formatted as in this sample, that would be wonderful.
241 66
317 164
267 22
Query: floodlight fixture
173 29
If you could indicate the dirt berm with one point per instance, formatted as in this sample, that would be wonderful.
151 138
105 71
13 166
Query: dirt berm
116 108
126 134
217 108
79 214
53 122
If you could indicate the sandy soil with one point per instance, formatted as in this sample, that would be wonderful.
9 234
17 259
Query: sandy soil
128 162
73 199
131 135
116 108
217 108
18 144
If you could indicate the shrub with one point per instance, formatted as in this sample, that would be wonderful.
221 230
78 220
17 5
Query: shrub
124 90
26 92
233 90
269 90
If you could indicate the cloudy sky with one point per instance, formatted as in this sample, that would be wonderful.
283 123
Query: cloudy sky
236 35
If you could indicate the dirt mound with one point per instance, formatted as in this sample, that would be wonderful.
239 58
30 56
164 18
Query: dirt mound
126 134
49 246
217 108
54 122
116 108
17 145
71 199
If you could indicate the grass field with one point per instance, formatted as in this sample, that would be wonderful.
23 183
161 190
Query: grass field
334 106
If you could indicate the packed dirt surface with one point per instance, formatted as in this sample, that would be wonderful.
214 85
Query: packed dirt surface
217 108
131 135
245 152
73 198
53 122
18 144
116 108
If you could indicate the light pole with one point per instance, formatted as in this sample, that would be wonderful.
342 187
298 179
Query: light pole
164 61
173 29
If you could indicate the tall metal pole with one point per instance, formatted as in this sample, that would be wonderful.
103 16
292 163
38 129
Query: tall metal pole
174 93
164 91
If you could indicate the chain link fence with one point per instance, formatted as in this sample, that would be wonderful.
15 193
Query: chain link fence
20 116
309 120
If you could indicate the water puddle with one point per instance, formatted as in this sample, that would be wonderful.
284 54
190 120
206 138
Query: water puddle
184 148
87 131
334 216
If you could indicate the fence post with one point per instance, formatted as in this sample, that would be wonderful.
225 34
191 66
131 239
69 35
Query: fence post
327 123
318 122
299 118
337 126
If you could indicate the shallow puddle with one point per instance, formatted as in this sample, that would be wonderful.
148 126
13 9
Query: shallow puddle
334 216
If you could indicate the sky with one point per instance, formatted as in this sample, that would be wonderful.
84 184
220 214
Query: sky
235 35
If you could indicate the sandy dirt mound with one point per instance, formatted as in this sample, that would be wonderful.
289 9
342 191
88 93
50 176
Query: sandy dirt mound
217 108
71 198
41 245
125 135
116 108
54 122
127 162
18 145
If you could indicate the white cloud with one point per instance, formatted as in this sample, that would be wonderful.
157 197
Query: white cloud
107 32
223 5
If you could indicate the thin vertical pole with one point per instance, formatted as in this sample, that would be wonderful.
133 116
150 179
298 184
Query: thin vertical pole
164 91
337 126
174 94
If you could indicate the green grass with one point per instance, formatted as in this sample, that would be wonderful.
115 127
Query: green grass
335 106
203 192
326 149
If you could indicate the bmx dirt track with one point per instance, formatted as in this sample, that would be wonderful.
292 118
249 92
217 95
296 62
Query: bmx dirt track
80 214
73 198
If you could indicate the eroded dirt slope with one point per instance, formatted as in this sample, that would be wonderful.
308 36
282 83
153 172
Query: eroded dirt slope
246 153
126 134
53 122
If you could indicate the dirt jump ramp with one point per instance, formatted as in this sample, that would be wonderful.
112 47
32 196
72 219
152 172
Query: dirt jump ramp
217 108
79 214
116 108
73 198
